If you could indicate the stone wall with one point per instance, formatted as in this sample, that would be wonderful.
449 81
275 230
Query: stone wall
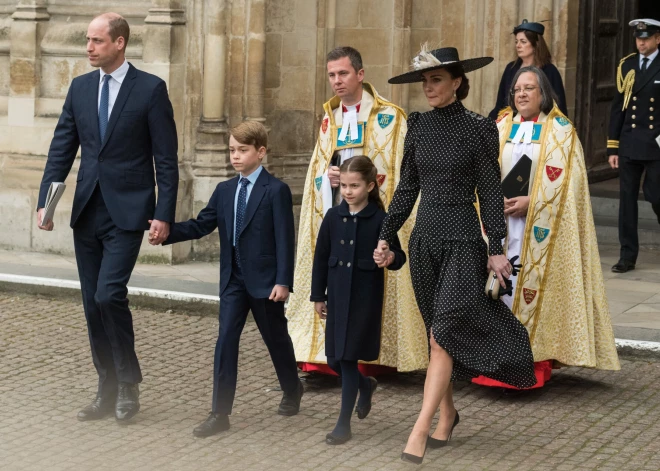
230 60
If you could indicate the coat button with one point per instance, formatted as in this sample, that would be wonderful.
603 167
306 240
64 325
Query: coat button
635 98
651 118
633 116
650 126
651 109
351 242
634 108
652 100
341 264
344 219
341 242
100 159
634 125
348 264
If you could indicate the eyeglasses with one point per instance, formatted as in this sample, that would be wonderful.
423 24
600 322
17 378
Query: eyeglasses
518 91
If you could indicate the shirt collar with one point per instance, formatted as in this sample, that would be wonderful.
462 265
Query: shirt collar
650 58
254 175
118 74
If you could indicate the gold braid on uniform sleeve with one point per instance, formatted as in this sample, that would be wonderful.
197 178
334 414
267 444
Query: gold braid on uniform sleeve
625 85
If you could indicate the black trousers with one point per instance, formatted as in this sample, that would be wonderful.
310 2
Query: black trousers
235 303
630 176
106 256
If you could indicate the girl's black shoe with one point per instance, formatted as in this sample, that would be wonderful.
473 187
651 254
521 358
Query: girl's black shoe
330 439
363 412
435 443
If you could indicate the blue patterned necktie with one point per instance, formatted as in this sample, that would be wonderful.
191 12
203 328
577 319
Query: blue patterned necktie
103 106
240 215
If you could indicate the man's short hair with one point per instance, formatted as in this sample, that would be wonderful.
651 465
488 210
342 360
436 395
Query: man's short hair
119 27
251 133
346 51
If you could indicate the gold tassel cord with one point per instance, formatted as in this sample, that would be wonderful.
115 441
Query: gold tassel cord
625 85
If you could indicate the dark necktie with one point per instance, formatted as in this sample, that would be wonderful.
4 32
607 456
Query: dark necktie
240 215
645 63
103 106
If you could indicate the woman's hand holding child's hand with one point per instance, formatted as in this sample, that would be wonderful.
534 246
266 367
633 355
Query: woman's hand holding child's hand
383 256
321 309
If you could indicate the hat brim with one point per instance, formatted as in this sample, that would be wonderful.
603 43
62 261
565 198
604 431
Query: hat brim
469 65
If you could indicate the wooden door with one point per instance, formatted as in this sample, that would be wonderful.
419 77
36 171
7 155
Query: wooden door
604 38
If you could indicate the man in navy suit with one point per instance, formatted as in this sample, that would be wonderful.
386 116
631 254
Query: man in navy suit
122 120
254 216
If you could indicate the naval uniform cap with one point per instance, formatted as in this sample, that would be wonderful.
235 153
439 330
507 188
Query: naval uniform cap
537 28
645 27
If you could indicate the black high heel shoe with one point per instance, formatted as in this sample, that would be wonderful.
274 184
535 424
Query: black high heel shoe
436 443
363 412
414 459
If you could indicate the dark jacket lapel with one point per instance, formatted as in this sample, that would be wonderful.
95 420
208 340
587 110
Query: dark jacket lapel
93 103
256 195
653 69
125 90
228 206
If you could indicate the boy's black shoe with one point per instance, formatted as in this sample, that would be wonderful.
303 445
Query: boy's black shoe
215 423
290 404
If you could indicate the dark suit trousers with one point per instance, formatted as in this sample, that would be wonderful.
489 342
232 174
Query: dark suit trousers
106 256
235 303
630 176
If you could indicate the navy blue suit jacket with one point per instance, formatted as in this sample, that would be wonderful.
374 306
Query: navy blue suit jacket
141 134
266 241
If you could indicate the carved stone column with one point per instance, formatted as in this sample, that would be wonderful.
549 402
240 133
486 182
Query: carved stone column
255 59
164 56
211 156
26 33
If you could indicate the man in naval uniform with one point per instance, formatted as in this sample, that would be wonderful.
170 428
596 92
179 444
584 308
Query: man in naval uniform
633 142
356 121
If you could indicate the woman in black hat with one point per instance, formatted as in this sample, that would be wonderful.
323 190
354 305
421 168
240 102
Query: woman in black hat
532 50
450 152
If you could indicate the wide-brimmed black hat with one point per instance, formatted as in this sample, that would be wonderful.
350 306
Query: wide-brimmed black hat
537 28
645 28
426 61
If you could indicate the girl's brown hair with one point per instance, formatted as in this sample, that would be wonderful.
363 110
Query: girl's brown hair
365 167
542 56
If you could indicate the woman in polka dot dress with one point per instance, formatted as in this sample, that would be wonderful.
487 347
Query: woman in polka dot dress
449 153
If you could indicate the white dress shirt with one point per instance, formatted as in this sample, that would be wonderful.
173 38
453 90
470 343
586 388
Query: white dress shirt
650 59
114 85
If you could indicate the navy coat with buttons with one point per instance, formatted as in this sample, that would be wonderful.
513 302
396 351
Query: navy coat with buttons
346 276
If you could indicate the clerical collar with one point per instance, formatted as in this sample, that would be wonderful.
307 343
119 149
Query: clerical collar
345 108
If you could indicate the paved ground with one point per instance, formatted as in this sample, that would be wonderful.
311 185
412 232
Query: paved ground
582 420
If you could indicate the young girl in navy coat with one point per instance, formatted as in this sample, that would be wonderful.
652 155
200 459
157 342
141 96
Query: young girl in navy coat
348 286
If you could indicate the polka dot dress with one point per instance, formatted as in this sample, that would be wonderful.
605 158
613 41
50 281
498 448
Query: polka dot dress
448 153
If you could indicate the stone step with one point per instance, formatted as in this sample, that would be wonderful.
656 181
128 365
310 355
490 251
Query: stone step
607 231
609 207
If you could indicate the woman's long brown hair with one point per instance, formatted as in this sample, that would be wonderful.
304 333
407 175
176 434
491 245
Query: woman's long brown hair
365 167
542 56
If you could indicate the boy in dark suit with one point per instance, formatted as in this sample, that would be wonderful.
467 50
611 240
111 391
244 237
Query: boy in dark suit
254 216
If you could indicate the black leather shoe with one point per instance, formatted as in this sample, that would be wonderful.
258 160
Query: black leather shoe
330 439
436 442
623 266
363 412
128 403
290 404
214 423
101 407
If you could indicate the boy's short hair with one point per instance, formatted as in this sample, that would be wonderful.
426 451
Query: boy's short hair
251 133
